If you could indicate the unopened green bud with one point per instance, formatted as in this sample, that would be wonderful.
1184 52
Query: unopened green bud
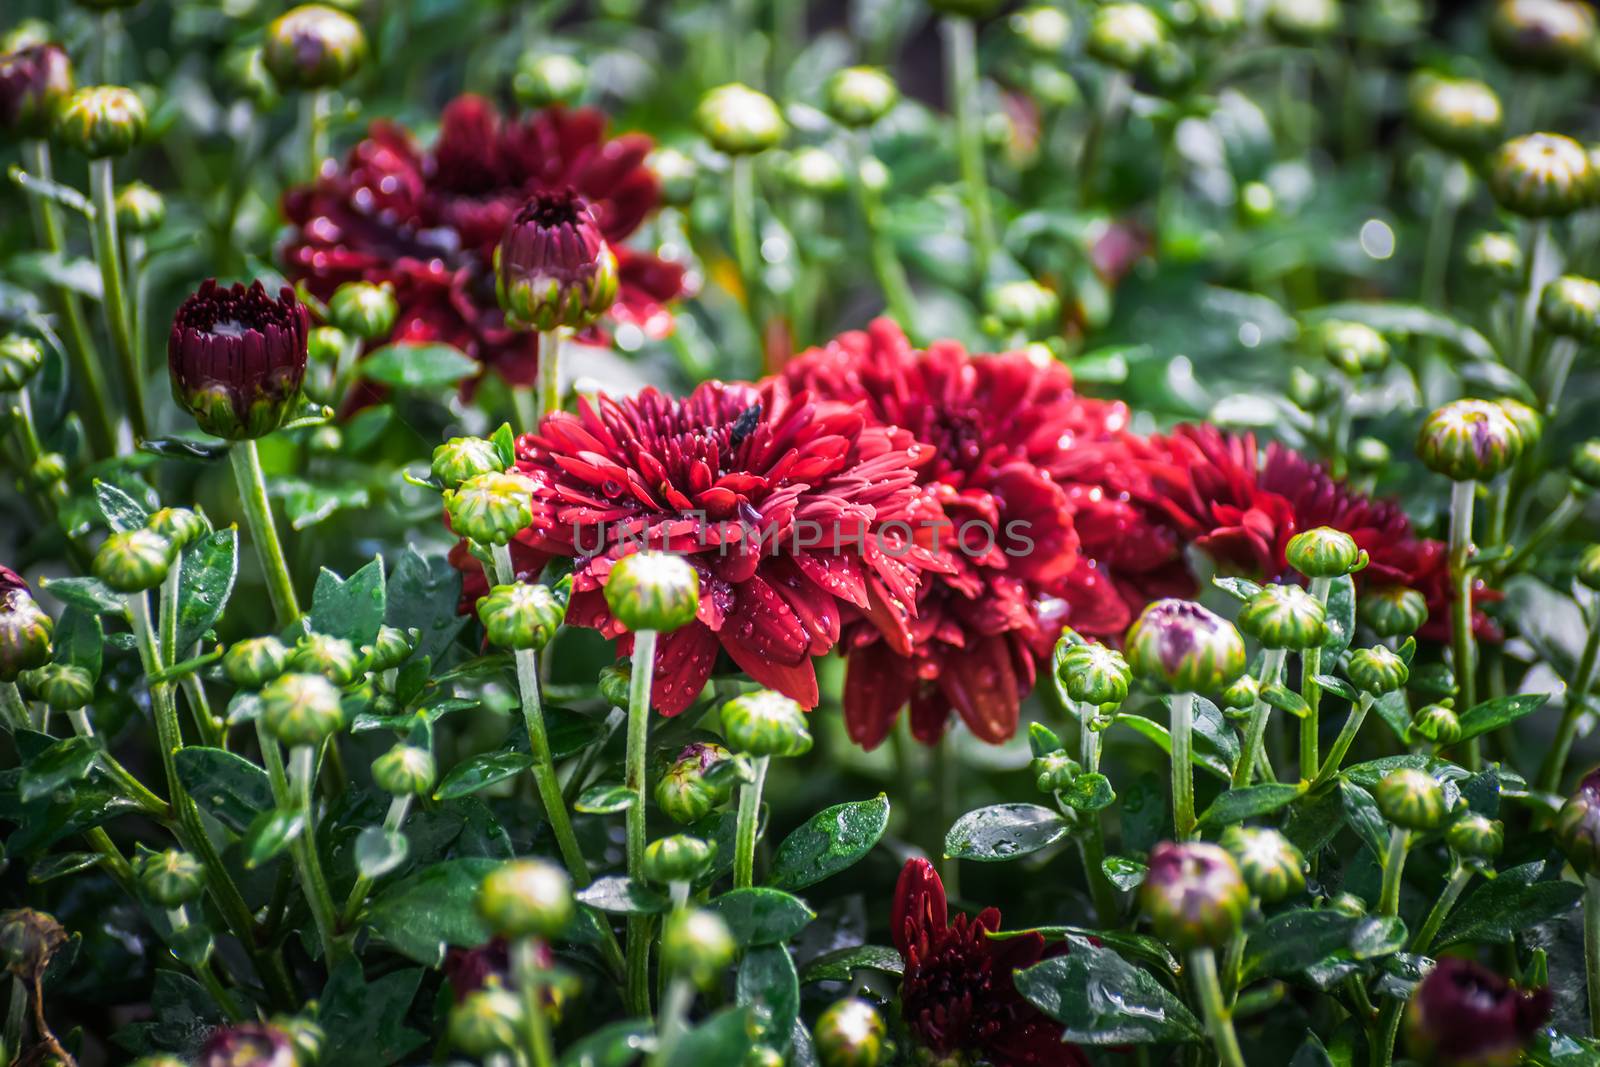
102 121
1497 255
1369 454
1354 347
326 344
1411 799
1272 867
332 657
1529 423
490 508
140 209
1307 391
676 172
20 359
171 878
1323 552
763 1056
616 679
1589 567
1377 670
849 1033
1193 894
301 709
180 526
1476 836
697 945
252 663
1459 115
1284 616
1435 723
1218 18
815 171
685 792
364 309
405 770
1054 771
314 47
679 858
1125 35
462 458
1541 174
1541 34
739 120
765 723
1257 203
1094 674
1184 647
1393 610
1024 305
1569 306
859 96
1468 441
63 686
653 591
546 78
487 1021
132 561
390 648
1585 463
1043 30
521 616
1243 693
526 898
1303 22
47 471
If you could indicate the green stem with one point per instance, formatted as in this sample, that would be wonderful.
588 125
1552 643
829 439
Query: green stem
1182 768
1092 844
536 1026
549 373
886 265
1219 1023
99 421
744 836
315 106
1393 866
742 223
1342 743
219 993
1528 316
1388 1029
544 764
1460 875
246 459
134 789
1576 699
1436 253
674 1022
302 776
1464 645
639 926
1256 732
1310 691
392 822
1562 514
107 251
1591 949
961 52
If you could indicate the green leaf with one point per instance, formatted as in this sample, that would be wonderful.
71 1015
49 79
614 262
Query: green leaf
1413 320
830 841
1361 815
1004 832
1102 999
269 834
90 594
1551 1048
1249 802
767 979
351 608
1239 588
723 1040
1332 683
1341 618
422 594
62 864
504 440
228 787
621 895
1137 946
613 1045
605 799
205 582
423 913
409 366
122 512
1285 700
67 761
1500 711
365 1020
1089 792
1377 935
841 964
1291 941
1514 901
480 772
1203 753
80 640
380 850
1124 873
761 916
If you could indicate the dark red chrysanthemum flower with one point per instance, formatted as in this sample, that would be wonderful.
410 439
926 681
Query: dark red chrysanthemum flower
257 1044
958 996
236 357
795 512
1465 1014
1240 506
1029 546
428 222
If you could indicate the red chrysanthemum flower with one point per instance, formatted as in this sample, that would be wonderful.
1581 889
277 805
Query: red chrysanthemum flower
958 996
428 222
1240 506
795 512
1030 548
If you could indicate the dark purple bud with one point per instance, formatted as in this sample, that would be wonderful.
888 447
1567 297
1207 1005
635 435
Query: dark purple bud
247 1045
1465 1015
553 266
33 83
237 358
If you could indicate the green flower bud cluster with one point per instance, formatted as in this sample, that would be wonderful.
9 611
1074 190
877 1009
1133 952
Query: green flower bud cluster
526 898
765 723
1091 673
301 709
314 47
1194 894
1393 610
1323 552
461 459
252 663
490 508
405 770
102 121
1569 306
1497 255
20 359
678 858
739 120
169 879
63 686
1377 670
546 78
1541 174
1271 866
859 96
364 309
850 1033
26 632
1354 347
687 792
332 657
651 590
1412 800
521 616
1284 616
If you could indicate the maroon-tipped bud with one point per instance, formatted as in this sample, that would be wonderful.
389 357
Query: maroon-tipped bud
33 83
247 1045
1465 1015
553 266
1578 825
25 630
1194 895
237 358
